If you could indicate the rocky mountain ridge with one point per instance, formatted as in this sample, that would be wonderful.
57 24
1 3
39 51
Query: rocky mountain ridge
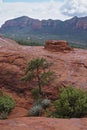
75 28
78 23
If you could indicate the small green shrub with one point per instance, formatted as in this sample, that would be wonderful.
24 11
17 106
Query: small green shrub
45 103
6 104
72 102
36 110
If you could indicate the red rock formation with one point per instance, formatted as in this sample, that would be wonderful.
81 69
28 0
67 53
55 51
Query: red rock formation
57 45
12 64
70 68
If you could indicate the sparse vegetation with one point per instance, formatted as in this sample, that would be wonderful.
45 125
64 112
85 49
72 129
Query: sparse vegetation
45 103
36 110
26 42
6 105
39 107
72 102
38 71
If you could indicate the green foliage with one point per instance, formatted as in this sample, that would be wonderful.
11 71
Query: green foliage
38 70
27 42
6 104
36 110
47 77
35 94
45 103
72 102
37 63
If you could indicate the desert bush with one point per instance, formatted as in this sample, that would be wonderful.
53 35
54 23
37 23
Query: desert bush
45 103
39 107
6 104
36 110
72 102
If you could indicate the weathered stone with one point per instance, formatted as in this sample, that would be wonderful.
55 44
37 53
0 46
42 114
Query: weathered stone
57 45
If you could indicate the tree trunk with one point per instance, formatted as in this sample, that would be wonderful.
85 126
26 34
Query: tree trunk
39 84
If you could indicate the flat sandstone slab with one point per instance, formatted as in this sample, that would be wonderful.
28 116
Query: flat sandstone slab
42 123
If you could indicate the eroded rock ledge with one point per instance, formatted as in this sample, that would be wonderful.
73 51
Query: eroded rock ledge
57 45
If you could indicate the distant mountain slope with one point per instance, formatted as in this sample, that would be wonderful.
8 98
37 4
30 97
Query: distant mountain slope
74 29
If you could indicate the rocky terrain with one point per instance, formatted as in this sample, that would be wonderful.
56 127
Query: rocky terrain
70 68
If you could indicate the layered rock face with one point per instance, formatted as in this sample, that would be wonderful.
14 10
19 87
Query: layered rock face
57 45
12 62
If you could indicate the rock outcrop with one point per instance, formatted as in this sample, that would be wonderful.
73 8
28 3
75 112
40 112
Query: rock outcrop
57 45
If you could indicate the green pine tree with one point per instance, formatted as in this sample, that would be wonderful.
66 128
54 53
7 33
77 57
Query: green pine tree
39 70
